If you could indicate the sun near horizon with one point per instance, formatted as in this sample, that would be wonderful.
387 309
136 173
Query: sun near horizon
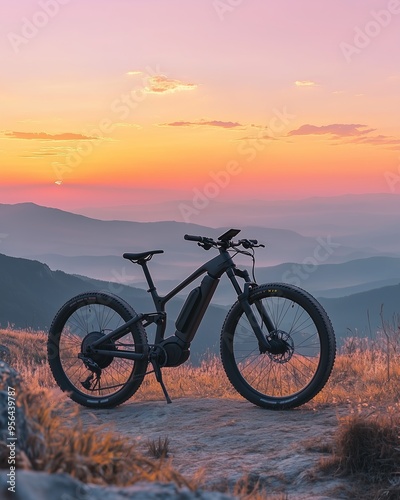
151 103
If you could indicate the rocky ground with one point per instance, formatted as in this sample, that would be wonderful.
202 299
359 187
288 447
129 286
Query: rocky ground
222 440
229 439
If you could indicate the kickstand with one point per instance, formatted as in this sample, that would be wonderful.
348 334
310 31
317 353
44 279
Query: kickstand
157 371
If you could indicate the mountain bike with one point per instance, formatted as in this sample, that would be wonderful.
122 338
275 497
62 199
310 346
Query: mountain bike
277 343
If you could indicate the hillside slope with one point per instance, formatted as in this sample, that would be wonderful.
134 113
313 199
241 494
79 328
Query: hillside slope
360 313
31 295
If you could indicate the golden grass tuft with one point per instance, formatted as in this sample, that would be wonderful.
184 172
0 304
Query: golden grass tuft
28 355
365 374
369 446
58 443
249 488
159 448
366 449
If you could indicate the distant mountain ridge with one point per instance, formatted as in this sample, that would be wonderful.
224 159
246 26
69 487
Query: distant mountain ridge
324 280
359 314
34 232
349 214
335 280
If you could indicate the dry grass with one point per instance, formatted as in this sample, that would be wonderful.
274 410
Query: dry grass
366 374
367 449
366 378
58 442
362 369
369 446
159 448
28 356
205 381
249 488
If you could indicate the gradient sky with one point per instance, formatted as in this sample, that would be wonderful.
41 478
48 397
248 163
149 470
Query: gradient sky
139 101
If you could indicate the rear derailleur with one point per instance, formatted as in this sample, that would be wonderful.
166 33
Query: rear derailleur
94 368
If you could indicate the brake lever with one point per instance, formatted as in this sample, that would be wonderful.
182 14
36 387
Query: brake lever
205 246
249 244
246 243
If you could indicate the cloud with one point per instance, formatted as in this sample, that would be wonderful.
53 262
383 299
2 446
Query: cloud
207 123
377 140
336 129
305 83
47 151
161 84
42 136
265 137
348 133
39 154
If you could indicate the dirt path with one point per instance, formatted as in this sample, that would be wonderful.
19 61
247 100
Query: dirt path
232 438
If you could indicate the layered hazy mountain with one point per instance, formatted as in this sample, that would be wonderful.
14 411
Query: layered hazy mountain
83 245
362 219
344 250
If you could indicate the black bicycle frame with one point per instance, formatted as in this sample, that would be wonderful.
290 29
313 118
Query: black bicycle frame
193 309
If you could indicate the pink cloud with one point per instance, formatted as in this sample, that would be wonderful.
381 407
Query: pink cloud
210 123
376 140
337 129
348 134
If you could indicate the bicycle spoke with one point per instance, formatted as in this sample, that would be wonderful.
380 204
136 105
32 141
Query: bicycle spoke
87 319
265 372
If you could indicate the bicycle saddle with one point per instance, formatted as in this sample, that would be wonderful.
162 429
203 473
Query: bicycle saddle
141 255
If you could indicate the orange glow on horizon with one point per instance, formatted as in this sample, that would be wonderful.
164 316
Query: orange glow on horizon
199 95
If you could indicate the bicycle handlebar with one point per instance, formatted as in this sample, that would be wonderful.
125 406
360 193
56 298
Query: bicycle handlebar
190 237
207 243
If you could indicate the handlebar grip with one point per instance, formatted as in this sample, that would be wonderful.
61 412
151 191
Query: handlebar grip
191 237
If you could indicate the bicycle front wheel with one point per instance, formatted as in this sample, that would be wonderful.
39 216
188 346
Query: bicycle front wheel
293 376
81 321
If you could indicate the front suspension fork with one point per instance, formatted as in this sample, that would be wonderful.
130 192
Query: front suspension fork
264 343
243 297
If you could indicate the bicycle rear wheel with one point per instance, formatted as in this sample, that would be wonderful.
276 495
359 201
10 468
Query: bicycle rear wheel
290 378
82 320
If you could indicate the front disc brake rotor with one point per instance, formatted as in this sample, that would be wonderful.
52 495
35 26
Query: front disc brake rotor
287 348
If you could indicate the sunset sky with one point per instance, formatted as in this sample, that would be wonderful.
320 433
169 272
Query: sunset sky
140 101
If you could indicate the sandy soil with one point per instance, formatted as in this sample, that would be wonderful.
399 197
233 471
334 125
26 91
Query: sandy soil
231 438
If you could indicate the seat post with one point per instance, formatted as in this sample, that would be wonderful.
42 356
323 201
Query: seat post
152 289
